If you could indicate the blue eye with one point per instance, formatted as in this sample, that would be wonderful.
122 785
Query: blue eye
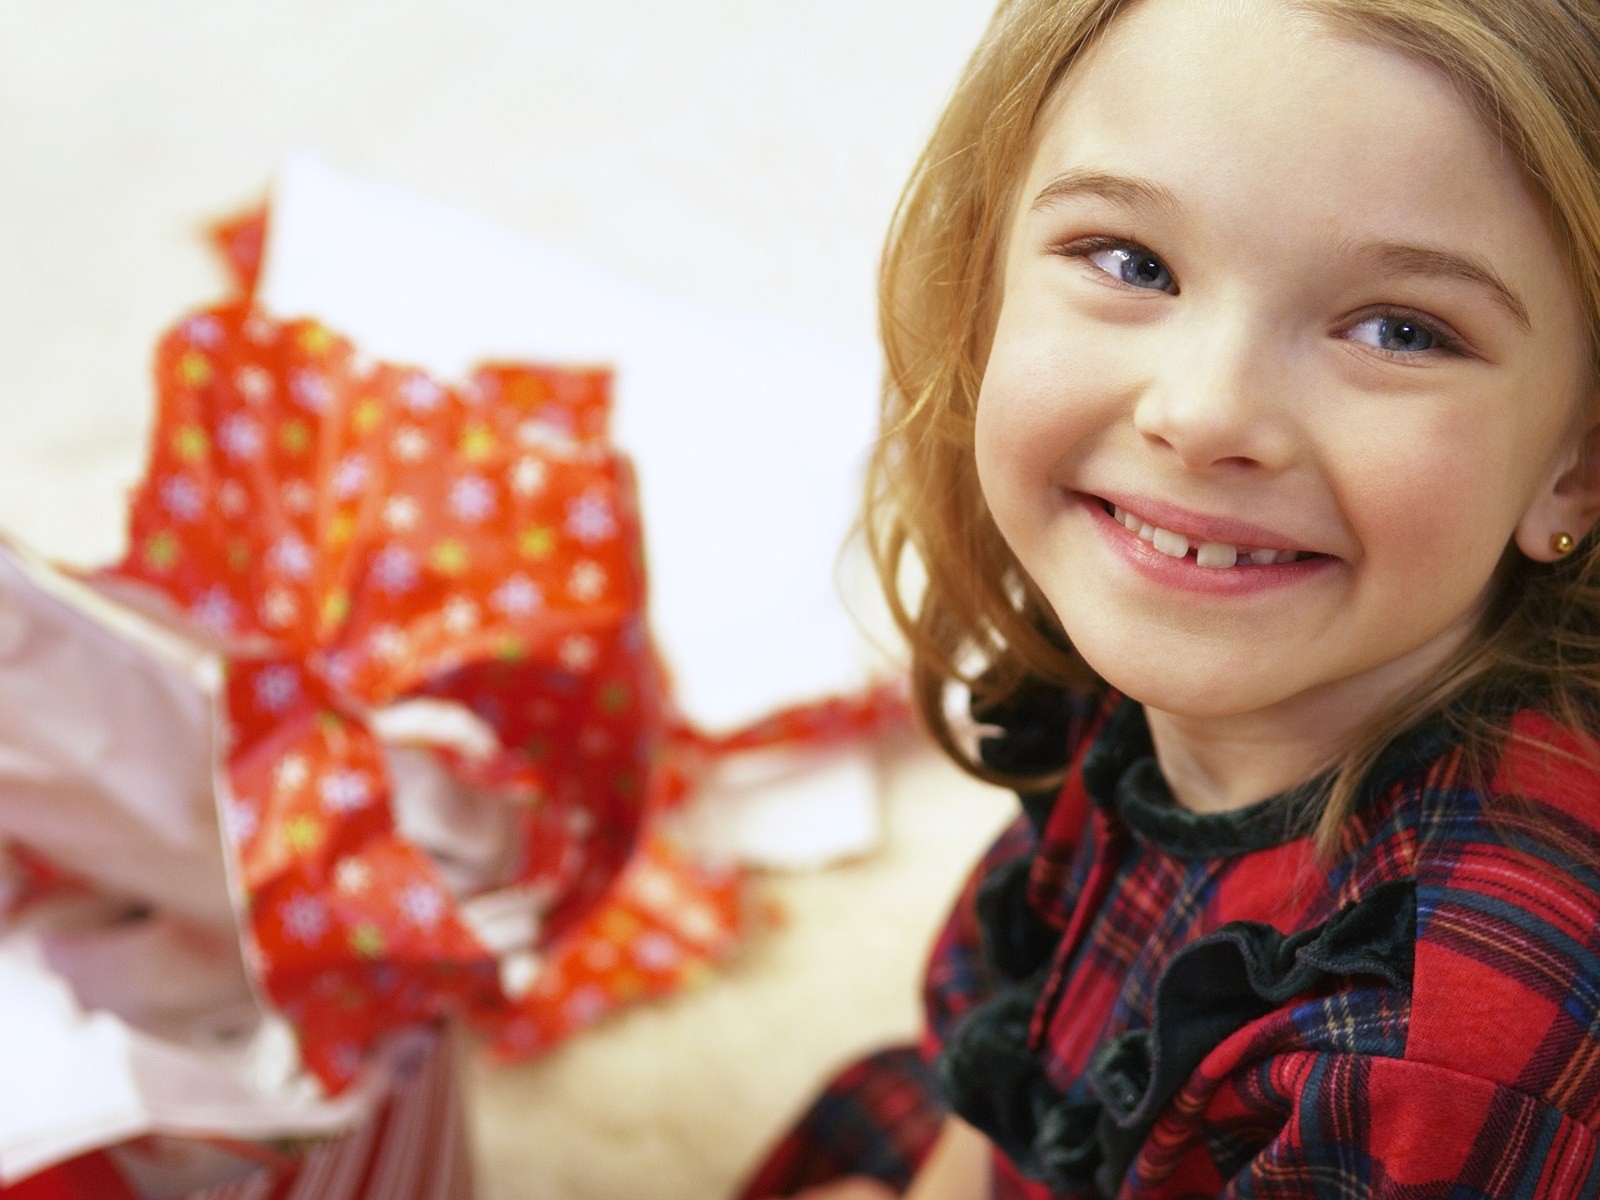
1134 266
1398 333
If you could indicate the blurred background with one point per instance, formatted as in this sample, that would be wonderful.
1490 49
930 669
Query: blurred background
743 157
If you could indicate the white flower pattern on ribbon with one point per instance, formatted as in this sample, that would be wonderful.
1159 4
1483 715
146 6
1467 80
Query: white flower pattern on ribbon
586 1005
279 609
299 496
395 571
388 644
254 384
657 952
472 499
590 518
277 688
422 904
182 498
339 668
587 581
240 437
345 791
517 597
350 476
409 445
420 394
460 616
578 653
291 773
291 556
551 427
216 610
352 876
311 390
400 514
304 917
240 820
203 331
656 889
260 329
528 477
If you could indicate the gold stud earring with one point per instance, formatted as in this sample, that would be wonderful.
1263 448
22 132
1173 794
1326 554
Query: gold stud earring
1562 544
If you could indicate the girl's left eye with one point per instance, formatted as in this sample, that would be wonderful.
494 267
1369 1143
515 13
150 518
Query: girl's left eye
1132 265
1401 333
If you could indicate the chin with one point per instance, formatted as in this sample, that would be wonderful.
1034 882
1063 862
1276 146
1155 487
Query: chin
1200 689
1201 703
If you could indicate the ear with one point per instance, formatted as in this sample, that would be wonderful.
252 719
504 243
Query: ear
1568 502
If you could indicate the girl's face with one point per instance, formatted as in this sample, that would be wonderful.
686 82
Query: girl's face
1274 298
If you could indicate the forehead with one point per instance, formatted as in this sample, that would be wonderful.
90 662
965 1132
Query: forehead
1212 90
1269 116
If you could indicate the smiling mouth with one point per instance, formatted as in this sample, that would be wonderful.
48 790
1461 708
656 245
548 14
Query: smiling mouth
1214 555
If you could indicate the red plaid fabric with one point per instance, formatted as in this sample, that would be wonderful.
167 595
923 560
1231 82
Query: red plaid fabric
877 1118
1136 1001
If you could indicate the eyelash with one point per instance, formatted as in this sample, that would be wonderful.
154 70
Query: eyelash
1083 247
1445 340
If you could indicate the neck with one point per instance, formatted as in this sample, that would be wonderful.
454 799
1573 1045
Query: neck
1220 762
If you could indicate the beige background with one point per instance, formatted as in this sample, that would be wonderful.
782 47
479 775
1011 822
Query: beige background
745 156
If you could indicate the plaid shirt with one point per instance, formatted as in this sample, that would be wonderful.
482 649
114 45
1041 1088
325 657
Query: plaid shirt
1132 1000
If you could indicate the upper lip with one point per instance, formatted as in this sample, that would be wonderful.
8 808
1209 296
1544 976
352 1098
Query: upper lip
1202 527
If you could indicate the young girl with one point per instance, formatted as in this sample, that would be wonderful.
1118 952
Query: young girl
1242 363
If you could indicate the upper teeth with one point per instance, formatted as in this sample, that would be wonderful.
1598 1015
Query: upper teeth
1207 554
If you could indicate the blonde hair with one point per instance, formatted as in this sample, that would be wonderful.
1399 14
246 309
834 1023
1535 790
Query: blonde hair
1531 69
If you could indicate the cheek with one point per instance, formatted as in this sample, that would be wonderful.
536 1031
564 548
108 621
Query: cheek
1436 507
994 454
1017 449
1008 421
1034 406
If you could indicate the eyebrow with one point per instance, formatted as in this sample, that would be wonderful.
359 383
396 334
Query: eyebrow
1397 258
1127 190
1400 259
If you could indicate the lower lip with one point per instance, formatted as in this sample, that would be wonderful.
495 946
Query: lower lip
1185 574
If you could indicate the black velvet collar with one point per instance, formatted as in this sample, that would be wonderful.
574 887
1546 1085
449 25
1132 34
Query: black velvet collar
1121 774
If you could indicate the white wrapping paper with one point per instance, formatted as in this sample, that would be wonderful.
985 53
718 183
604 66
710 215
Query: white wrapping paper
125 1009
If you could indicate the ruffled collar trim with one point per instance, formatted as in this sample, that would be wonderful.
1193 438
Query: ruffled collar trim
1122 776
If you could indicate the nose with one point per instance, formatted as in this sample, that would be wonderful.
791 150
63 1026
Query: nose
1220 398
